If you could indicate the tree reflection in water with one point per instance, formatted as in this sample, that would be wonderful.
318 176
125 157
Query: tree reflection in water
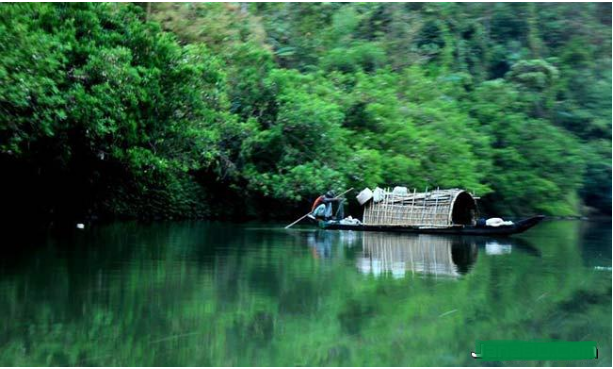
197 293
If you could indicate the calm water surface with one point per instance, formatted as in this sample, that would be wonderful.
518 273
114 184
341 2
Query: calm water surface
198 293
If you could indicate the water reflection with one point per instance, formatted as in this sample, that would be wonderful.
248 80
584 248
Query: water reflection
399 254
494 247
424 254
592 253
197 293
322 243
505 246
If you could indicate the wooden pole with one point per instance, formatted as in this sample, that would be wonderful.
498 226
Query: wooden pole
413 206
423 207
302 217
435 208
337 197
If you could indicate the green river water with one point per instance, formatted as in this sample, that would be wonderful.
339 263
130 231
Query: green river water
202 293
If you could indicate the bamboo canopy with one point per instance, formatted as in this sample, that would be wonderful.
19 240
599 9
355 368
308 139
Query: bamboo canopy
438 208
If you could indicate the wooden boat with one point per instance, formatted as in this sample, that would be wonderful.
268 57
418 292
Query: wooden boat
451 211
503 230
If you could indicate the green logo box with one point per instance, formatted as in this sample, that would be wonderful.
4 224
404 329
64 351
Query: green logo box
535 350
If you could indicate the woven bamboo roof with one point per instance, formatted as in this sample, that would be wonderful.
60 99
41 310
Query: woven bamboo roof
438 208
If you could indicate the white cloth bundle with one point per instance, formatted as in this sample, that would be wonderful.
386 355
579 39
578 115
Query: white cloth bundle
350 220
497 222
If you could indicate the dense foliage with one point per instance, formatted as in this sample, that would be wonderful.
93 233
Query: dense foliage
175 110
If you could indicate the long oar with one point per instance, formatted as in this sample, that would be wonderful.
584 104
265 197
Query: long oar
302 217
337 197
305 215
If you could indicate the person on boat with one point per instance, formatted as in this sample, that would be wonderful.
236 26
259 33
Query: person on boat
322 207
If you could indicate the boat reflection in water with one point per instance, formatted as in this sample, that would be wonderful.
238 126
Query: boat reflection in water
331 244
380 253
494 247
440 256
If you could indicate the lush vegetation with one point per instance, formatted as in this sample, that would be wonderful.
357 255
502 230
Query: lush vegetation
196 110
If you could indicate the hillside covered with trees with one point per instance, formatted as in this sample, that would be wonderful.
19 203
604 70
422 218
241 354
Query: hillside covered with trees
252 110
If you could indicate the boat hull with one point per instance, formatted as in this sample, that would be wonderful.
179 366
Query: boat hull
518 227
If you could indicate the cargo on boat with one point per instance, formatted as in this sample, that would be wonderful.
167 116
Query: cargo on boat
448 211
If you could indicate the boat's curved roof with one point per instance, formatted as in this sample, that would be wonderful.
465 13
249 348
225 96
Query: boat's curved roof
437 208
